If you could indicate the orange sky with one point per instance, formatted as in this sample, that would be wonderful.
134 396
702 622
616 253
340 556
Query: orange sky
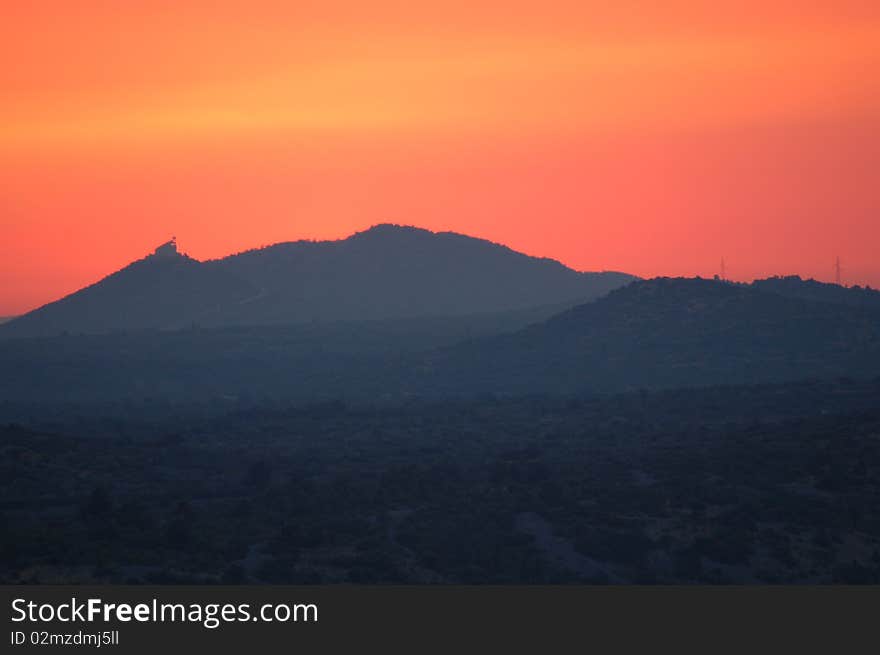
628 137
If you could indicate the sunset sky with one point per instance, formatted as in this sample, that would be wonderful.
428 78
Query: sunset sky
653 138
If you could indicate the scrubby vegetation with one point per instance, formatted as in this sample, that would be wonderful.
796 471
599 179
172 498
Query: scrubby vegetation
721 485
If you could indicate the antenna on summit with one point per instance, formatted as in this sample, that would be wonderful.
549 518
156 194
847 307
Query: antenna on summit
723 270
838 278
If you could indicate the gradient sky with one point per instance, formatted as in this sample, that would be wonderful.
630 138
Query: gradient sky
608 135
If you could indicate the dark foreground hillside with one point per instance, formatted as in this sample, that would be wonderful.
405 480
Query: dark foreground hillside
766 484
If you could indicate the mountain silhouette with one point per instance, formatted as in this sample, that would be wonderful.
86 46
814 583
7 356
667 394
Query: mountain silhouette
386 272
668 333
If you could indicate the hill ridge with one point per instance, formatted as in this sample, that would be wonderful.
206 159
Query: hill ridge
384 272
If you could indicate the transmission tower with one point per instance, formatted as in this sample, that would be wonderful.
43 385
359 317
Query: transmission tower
838 278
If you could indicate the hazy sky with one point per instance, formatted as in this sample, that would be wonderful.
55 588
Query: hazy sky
654 138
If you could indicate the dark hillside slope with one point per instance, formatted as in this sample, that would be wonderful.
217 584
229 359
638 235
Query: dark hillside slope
154 292
391 271
795 287
386 272
666 333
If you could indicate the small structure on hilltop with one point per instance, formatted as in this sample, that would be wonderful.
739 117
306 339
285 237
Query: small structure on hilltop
167 249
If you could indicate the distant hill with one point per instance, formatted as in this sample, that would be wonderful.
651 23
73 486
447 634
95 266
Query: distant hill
386 272
666 333
154 292
795 287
